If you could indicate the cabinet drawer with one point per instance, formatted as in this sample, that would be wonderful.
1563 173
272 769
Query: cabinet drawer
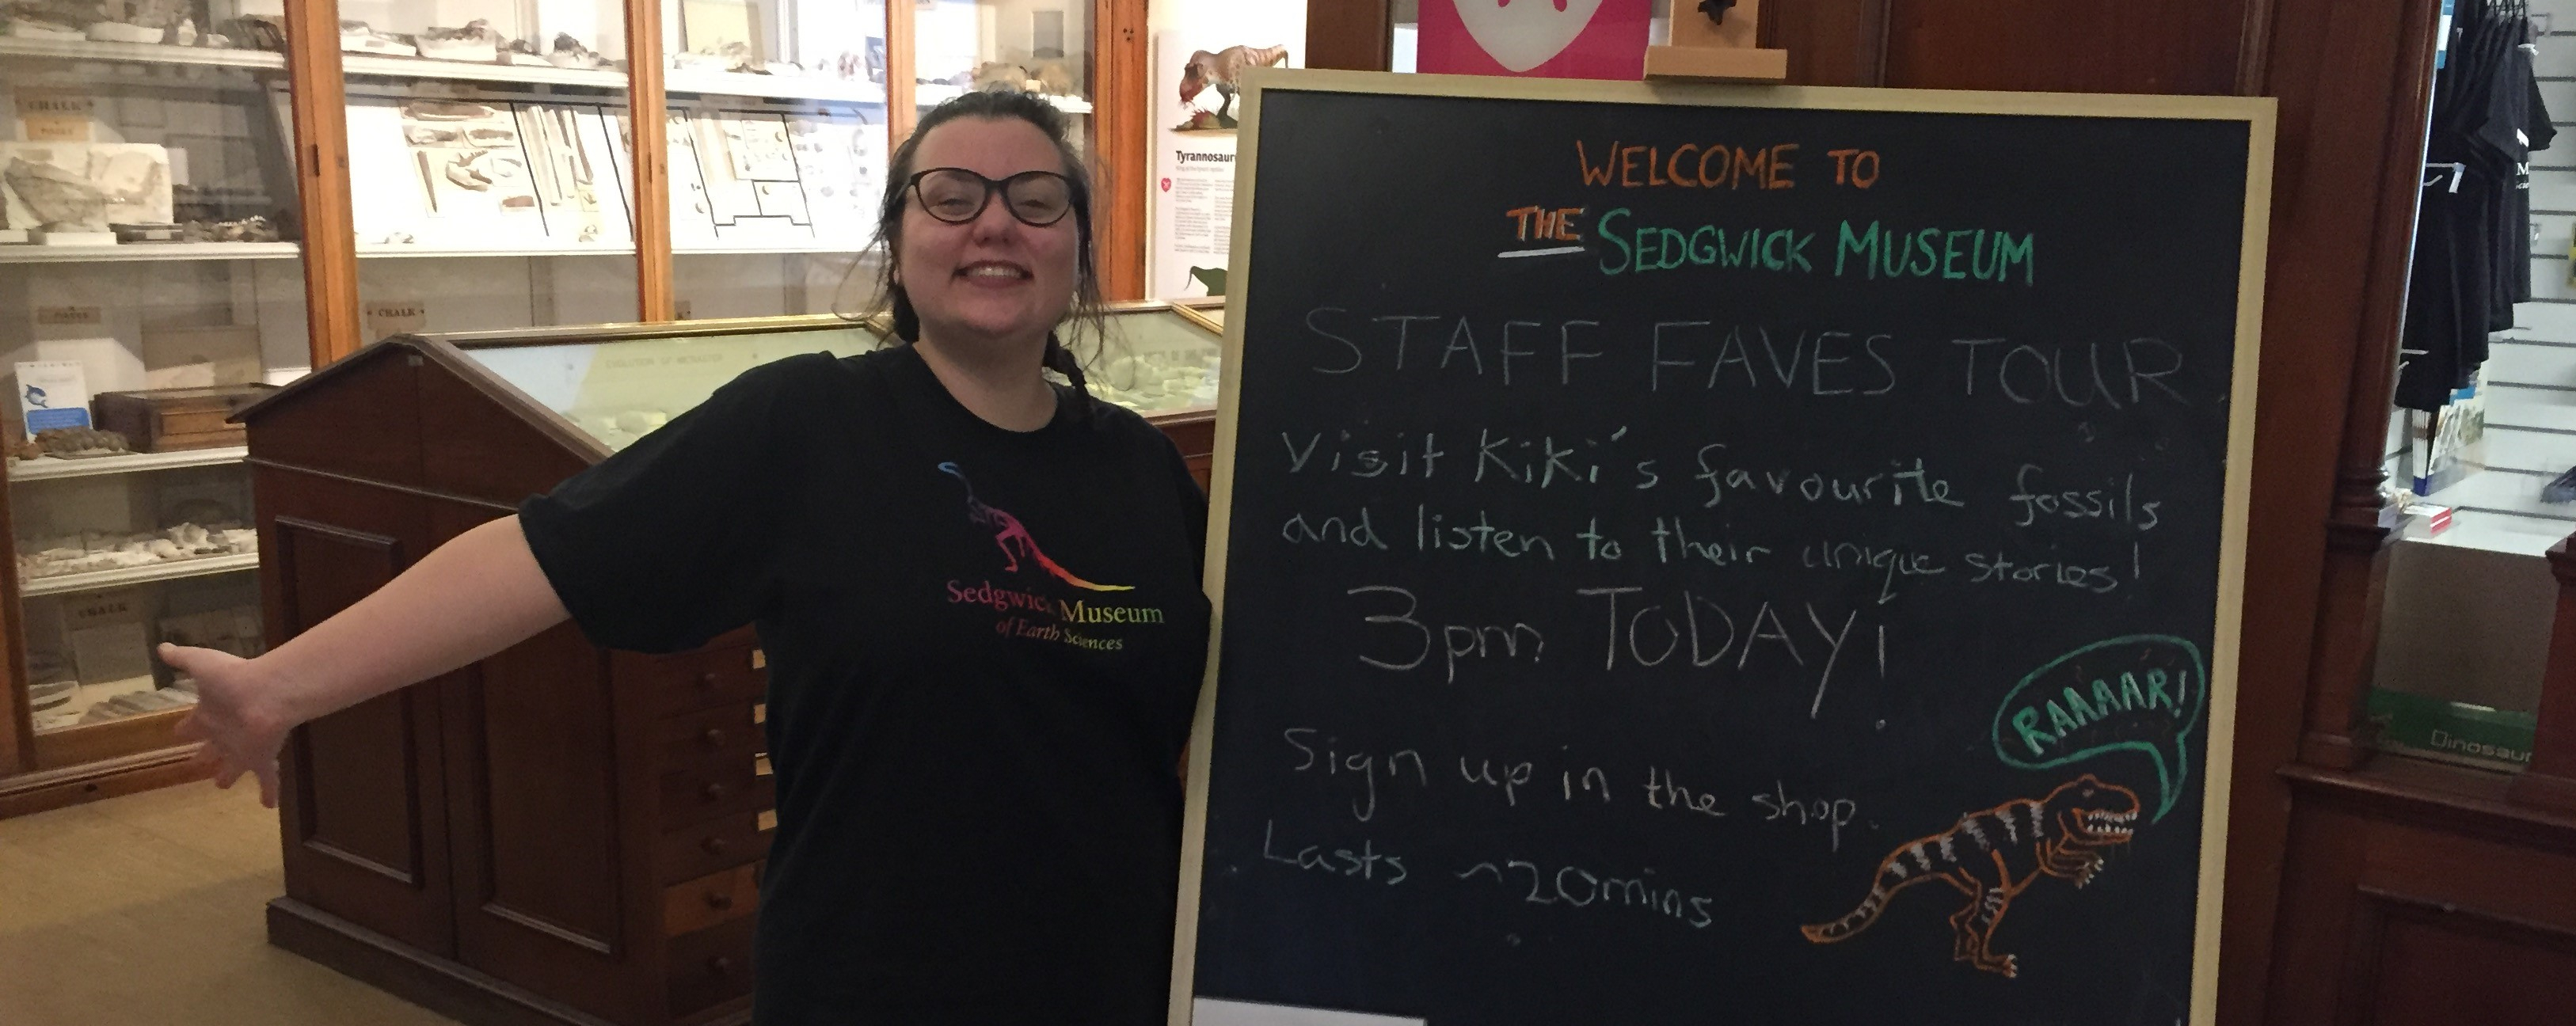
710 967
710 846
711 737
691 797
719 897
699 680
171 423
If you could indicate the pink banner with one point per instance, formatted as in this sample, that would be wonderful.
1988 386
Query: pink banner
1535 38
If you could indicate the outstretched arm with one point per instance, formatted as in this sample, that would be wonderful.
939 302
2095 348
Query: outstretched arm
472 597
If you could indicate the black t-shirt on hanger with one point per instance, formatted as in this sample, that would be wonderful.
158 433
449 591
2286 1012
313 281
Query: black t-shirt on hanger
984 651
2472 248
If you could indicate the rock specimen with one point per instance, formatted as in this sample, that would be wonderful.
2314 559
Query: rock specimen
62 201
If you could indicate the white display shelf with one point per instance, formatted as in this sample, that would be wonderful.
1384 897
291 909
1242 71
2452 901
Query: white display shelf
775 87
140 53
770 249
713 83
474 71
170 571
134 251
417 252
722 83
145 251
930 93
48 468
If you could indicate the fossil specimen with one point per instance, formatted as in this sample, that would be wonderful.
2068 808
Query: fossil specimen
61 200
444 110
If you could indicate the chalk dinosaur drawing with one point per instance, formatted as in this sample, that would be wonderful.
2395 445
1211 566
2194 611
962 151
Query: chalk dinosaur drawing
1992 855
1014 538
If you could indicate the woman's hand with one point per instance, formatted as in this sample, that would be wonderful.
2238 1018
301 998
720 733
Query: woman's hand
241 716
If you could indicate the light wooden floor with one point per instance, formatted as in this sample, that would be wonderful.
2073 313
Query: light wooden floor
148 910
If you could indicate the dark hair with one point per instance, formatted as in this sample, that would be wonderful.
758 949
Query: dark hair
995 104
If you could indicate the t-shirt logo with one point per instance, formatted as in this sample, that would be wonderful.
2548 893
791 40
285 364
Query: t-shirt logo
1014 538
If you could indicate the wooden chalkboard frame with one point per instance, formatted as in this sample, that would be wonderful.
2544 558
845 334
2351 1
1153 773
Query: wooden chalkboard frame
2259 114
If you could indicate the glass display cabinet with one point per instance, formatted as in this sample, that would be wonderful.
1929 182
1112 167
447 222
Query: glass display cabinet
1043 46
150 238
199 193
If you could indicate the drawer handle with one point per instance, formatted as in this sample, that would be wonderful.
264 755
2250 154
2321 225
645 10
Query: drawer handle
714 792
719 901
714 738
720 965
707 681
714 845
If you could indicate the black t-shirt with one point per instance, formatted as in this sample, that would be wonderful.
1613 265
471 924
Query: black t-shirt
984 650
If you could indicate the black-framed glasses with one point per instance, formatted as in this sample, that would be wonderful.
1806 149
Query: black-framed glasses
957 195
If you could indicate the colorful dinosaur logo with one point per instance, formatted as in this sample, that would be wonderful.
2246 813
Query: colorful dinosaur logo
1992 855
1015 539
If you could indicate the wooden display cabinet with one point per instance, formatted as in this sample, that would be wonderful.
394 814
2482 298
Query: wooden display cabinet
560 833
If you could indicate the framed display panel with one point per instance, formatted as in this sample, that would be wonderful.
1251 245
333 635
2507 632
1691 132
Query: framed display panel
1394 889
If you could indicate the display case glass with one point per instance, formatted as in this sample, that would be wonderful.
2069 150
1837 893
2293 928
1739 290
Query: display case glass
118 553
616 390
1040 45
488 167
148 240
778 137
1156 359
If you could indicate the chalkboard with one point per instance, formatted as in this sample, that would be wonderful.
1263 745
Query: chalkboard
1697 555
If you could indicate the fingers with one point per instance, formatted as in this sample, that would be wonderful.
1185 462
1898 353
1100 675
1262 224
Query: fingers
268 785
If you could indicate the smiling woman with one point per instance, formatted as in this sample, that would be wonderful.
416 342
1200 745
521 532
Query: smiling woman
973 285
954 677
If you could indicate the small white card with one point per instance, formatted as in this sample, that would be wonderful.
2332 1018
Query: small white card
54 393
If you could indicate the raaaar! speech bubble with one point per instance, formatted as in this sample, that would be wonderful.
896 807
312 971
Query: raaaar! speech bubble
2141 693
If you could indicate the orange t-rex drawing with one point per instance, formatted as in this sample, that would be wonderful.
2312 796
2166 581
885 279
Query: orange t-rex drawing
1015 539
1992 855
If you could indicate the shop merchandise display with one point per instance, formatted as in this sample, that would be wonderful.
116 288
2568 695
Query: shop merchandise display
2472 254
